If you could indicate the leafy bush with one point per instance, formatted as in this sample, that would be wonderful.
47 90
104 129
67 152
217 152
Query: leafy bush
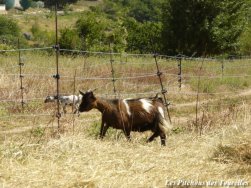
61 3
90 30
140 10
5 47
143 37
10 32
69 39
145 10
97 32
42 37
117 37
245 42
9 27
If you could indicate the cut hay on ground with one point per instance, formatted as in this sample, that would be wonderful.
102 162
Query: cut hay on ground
82 161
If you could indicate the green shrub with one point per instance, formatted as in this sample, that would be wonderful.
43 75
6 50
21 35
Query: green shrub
245 42
42 37
8 27
143 37
61 3
69 39
90 29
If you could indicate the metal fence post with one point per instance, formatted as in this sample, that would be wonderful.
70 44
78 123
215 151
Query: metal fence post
57 76
21 64
112 70
163 90
222 68
180 71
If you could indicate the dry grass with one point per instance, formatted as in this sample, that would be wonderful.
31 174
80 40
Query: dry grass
81 161
239 153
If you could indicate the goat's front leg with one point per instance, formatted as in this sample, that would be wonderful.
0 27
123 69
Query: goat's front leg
103 130
64 108
76 111
155 134
127 134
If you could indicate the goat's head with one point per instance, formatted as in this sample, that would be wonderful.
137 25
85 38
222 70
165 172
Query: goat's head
88 101
49 99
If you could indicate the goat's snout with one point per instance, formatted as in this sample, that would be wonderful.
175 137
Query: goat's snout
49 99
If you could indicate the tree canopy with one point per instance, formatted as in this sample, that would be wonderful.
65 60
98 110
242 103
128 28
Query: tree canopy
198 27
190 27
60 3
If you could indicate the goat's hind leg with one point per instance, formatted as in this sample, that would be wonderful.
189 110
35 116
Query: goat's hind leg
103 130
155 134
64 109
162 138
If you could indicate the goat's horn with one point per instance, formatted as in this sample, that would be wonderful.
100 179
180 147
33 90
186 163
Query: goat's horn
82 93
91 90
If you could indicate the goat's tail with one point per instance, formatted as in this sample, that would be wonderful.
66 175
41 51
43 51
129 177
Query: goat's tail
165 126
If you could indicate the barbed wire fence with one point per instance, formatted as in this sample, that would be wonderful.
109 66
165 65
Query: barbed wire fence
138 83
117 75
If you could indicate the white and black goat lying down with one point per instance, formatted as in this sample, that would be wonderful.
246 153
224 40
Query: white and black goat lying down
129 115
71 100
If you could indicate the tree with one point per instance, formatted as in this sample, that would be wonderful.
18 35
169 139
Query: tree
8 27
61 3
115 34
229 24
25 4
145 10
97 32
245 39
91 30
140 10
143 37
10 32
245 42
198 27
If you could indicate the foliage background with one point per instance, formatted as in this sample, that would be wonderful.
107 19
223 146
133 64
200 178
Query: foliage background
189 27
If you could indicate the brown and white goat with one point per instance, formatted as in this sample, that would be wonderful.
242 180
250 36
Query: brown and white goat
129 115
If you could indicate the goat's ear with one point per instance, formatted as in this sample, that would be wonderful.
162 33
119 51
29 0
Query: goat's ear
92 95
82 93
